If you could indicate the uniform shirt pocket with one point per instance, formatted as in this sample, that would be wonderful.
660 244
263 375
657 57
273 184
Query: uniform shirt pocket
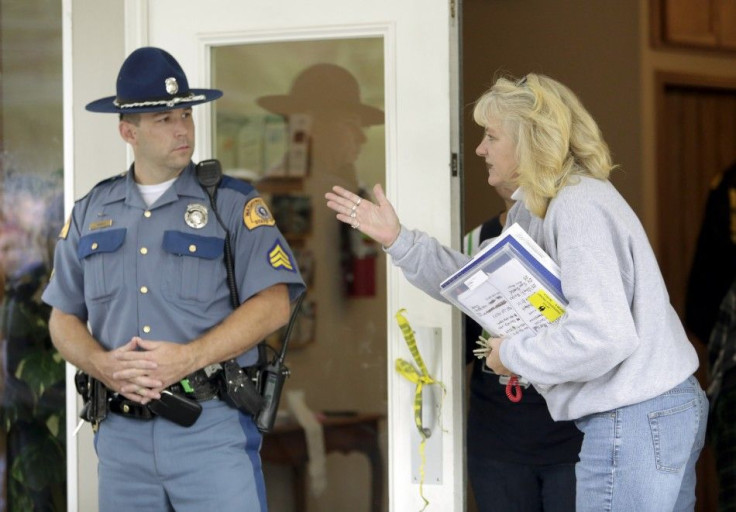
197 269
102 262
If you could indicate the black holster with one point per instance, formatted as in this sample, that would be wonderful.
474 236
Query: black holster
94 398
239 390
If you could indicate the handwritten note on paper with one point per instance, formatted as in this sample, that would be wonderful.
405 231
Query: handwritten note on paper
511 285
509 300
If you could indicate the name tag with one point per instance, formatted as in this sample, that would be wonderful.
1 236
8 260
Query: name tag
100 224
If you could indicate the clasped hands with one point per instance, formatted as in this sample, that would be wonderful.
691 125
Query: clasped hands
141 369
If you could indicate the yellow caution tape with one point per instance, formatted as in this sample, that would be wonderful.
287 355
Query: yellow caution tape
421 378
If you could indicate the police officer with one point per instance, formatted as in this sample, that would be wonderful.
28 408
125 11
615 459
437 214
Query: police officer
140 261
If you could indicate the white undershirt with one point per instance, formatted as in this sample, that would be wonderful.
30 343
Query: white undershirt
151 193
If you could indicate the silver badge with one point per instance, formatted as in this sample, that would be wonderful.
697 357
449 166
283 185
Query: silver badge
171 86
196 216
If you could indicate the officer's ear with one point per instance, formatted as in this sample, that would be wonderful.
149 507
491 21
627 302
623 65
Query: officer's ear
127 130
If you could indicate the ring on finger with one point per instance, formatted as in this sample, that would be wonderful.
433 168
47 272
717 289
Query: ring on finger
353 214
355 207
355 225
358 202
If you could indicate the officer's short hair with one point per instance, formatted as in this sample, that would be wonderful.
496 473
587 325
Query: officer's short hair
132 118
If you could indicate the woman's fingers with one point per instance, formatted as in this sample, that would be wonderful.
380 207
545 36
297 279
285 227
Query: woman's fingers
377 220
345 204
344 197
379 195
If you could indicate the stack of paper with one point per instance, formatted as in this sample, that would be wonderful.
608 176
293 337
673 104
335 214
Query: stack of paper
511 285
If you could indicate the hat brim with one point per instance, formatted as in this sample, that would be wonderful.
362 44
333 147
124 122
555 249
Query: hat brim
107 105
285 105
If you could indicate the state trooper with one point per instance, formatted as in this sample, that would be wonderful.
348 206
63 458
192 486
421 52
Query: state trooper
141 303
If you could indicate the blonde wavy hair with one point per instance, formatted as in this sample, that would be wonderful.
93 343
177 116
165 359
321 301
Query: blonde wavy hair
556 138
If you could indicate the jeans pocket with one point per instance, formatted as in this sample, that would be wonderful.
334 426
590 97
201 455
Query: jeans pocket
673 434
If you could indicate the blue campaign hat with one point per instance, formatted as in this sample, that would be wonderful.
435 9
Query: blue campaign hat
151 80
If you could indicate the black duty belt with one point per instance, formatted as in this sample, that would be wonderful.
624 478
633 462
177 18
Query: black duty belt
197 386
121 405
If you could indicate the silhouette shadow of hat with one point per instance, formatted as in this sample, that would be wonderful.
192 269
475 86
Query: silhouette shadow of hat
323 88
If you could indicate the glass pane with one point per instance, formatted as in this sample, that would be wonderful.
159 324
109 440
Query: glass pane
296 118
32 436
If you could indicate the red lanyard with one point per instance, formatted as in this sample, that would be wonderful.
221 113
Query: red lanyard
513 390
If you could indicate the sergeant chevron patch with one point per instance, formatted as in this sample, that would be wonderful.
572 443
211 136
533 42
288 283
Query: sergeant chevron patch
279 258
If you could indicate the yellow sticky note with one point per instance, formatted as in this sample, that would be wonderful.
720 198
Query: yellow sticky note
546 305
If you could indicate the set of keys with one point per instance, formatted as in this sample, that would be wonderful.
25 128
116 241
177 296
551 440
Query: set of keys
513 383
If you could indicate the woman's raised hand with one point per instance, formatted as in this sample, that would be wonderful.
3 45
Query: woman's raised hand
377 220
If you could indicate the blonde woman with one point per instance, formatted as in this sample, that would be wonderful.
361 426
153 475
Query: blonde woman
618 363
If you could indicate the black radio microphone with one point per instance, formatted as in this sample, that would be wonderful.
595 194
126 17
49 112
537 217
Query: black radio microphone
209 174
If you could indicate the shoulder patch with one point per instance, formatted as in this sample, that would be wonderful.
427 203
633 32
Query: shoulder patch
65 229
278 257
257 214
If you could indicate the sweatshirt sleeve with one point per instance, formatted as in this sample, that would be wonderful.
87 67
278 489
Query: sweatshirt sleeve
424 261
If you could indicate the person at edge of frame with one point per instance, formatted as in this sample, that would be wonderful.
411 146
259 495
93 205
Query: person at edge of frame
710 315
519 458
714 259
141 261
722 397
618 362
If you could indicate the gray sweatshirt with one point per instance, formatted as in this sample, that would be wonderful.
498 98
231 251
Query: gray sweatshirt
620 341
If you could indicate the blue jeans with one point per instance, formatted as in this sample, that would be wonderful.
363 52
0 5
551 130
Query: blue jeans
642 457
